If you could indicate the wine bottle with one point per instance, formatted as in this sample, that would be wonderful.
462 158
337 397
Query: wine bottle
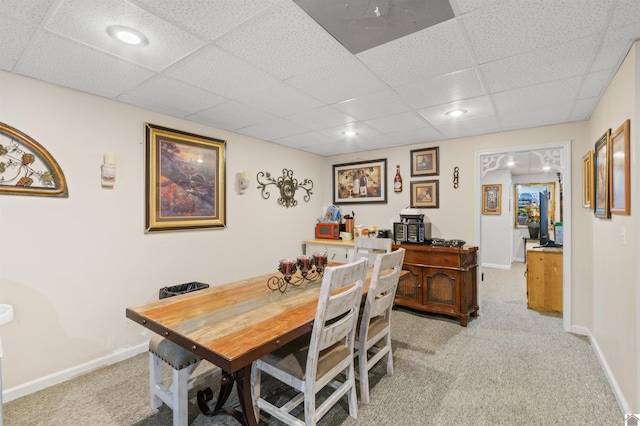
363 184
356 184
397 181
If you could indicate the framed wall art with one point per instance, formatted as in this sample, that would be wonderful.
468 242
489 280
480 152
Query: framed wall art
185 180
587 180
620 179
360 182
492 199
424 162
601 176
425 194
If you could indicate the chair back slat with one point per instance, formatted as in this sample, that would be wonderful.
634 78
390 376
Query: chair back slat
369 248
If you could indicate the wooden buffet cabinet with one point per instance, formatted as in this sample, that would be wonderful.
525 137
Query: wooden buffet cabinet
442 280
544 279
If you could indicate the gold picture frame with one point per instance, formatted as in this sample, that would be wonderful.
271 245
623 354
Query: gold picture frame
587 180
620 170
425 194
425 162
492 199
601 206
185 180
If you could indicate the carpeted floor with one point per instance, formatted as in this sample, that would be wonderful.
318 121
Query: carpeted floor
510 366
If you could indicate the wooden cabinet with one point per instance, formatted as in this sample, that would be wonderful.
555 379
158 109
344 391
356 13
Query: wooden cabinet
544 279
441 280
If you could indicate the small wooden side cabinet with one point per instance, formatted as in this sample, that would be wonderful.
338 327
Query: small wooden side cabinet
442 280
544 279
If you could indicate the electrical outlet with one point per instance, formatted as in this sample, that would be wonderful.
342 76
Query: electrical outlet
623 236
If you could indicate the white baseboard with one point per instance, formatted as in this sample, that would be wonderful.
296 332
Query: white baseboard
496 266
70 373
622 403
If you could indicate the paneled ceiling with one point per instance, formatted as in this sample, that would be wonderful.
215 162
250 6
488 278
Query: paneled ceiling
266 69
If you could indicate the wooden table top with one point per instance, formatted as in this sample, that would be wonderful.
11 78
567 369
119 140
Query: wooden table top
232 325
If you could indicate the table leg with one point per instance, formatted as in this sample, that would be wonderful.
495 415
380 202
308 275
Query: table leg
242 378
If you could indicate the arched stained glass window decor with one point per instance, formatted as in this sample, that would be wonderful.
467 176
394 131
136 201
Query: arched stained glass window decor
27 168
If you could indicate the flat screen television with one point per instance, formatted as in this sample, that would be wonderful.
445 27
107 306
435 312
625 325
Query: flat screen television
545 241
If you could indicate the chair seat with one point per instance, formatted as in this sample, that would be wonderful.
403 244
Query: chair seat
176 356
292 357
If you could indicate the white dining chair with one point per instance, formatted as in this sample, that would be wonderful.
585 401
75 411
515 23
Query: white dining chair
374 330
322 358
369 248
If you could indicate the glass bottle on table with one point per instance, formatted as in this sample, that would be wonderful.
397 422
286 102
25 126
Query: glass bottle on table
397 180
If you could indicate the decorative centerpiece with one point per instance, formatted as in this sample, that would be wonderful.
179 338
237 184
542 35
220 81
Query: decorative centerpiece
311 269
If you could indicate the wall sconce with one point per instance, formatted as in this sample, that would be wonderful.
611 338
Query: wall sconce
108 170
243 181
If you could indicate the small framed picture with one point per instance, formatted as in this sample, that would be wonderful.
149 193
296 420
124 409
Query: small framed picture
424 162
601 176
587 180
361 182
620 179
425 194
492 199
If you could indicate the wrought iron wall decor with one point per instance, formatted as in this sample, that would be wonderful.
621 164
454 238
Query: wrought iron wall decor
456 177
288 186
27 168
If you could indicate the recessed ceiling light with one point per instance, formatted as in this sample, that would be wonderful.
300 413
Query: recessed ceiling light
127 35
510 163
350 133
456 112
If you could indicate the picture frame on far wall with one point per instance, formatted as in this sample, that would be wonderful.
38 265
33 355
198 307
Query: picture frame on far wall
425 162
492 199
620 179
360 182
425 194
601 176
184 180
587 180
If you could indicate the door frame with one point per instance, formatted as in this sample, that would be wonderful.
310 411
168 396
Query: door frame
565 147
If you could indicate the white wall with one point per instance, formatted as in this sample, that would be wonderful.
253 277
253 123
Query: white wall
70 266
496 229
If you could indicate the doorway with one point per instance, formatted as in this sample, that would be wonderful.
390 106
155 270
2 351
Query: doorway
560 155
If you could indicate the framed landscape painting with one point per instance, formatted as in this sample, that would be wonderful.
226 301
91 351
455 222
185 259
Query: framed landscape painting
601 176
360 182
185 180
620 179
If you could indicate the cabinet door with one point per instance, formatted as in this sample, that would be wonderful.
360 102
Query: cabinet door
409 292
441 288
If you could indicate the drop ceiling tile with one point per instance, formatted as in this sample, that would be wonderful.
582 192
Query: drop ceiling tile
394 123
338 132
421 55
231 115
332 148
626 12
583 108
273 129
476 108
284 41
65 63
15 37
547 94
552 63
281 99
305 140
171 95
595 83
87 21
614 47
321 118
219 72
466 6
419 135
464 84
28 11
208 19
511 28
338 82
375 142
386 102
535 117
478 126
